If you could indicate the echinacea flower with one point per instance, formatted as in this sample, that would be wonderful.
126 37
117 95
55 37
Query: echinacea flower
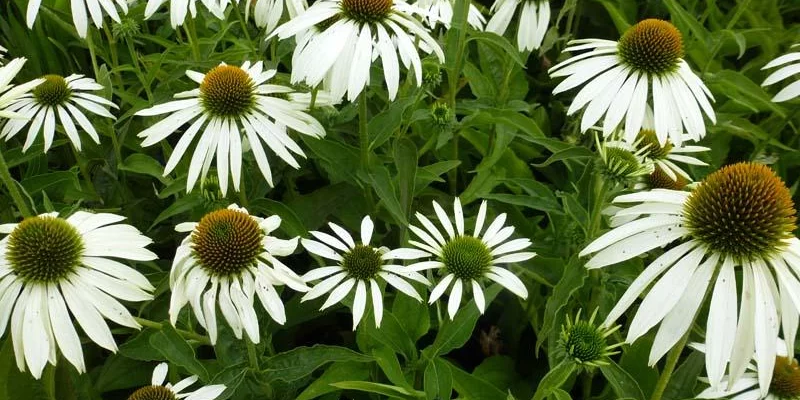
159 391
621 163
227 261
179 9
96 9
740 217
58 99
358 265
10 93
341 52
585 343
267 13
231 104
785 383
534 17
666 156
51 268
466 260
621 79
441 11
789 66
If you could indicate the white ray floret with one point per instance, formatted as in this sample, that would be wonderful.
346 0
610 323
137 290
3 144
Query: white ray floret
232 106
708 243
159 390
534 17
180 9
80 17
467 260
267 13
227 261
360 266
10 93
58 101
341 54
56 272
789 67
441 12
619 80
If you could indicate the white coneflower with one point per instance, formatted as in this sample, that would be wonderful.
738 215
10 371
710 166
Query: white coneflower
585 343
740 217
621 163
341 52
785 383
441 11
267 13
159 391
179 9
58 99
785 71
667 156
229 260
96 9
9 93
51 268
359 264
645 68
230 103
465 260
533 21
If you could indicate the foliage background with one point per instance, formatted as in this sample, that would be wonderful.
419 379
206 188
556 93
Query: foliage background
509 142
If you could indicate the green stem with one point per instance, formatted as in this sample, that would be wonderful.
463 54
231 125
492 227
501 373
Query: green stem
186 334
600 190
313 98
452 175
454 74
252 354
240 17
139 73
82 165
49 382
669 368
112 48
13 189
191 35
363 129
92 54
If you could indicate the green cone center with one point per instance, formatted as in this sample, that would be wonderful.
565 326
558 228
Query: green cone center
742 210
226 242
652 46
785 379
619 164
227 91
466 257
153 393
44 249
53 91
362 262
366 11
583 342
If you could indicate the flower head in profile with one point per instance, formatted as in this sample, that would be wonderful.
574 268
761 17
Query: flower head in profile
534 17
785 383
586 343
55 270
621 79
267 13
159 391
621 163
80 18
467 260
441 11
337 39
667 156
358 265
10 93
58 100
227 261
789 66
179 9
737 222
232 104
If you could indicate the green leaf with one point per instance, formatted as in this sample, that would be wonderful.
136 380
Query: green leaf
453 334
231 377
511 118
740 89
302 361
499 43
290 222
431 173
138 347
392 334
438 380
390 391
382 183
337 372
686 21
474 388
145 165
390 365
681 384
616 15
382 126
554 379
571 281
559 394
405 158
621 381
571 153
415 316
177 351
180 206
